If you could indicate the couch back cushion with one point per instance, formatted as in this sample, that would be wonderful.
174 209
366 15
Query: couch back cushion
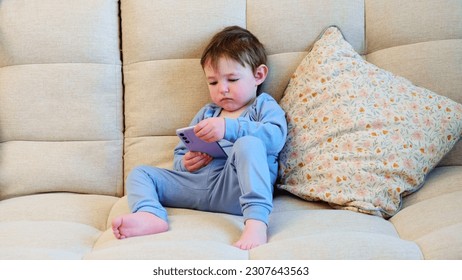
163 41
61 125
421 41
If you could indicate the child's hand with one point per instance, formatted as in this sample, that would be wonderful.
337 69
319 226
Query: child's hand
195 160
210 130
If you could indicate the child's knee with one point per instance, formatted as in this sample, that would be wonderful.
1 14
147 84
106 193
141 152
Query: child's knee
249 145
139 173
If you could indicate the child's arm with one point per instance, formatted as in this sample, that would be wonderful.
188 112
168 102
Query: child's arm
267 122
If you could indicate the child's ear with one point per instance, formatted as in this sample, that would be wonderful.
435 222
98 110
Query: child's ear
260 74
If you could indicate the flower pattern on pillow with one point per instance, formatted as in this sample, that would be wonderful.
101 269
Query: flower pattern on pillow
360 137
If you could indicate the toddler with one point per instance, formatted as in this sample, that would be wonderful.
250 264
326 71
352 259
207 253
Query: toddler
251 128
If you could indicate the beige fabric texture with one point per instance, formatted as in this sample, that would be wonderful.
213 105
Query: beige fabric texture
52 31
431 216
213 233
52 226
285 28
182 38
60 98
90 89
160 88
394 23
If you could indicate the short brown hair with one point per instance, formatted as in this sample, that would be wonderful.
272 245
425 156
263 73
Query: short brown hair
236 43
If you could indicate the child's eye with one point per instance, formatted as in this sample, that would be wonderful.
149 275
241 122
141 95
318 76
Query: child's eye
213 83
233 80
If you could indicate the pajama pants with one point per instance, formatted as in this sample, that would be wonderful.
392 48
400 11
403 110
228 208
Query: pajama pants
242 184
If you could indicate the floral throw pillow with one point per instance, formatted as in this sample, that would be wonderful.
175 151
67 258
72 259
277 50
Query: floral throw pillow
360 138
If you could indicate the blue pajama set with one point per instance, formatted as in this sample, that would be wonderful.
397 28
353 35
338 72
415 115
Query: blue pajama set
242 184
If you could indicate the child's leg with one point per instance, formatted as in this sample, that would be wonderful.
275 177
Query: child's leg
149 188
247 185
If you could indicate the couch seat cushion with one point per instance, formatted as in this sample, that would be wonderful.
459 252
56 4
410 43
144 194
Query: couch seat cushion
432 218
52 226
298 230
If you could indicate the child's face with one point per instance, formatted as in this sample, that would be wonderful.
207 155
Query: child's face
231 85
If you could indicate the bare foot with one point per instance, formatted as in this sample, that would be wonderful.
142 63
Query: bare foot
253 236
136 224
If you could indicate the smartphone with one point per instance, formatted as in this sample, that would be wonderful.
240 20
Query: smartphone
195 144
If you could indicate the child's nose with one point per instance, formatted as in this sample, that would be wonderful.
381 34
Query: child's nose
224 88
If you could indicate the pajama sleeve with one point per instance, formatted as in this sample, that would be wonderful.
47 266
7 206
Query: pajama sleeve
266 121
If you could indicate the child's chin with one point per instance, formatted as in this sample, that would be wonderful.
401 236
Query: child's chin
228 106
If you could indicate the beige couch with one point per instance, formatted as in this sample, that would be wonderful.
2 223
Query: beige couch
91 88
